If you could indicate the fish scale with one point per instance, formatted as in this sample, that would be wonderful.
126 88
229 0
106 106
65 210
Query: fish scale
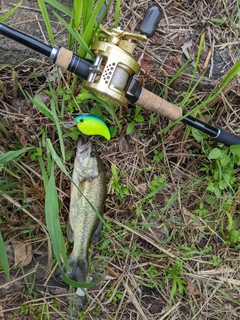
81 222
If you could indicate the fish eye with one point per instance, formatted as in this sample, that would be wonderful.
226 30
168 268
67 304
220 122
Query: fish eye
93 154
81 120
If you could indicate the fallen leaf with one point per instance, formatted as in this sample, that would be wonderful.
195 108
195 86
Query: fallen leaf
145 61
142 187
156 306
173 64
178 42
22 253
192 289
185 48
190 218
123 145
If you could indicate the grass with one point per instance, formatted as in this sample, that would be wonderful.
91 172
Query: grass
169 248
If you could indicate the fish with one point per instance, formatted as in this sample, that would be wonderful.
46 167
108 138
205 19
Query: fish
91 125
88 181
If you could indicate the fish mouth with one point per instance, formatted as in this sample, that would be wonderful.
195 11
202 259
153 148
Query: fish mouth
83 144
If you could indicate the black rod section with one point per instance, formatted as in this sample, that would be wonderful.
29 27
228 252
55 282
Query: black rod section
60 56
26 40
134 92
200 125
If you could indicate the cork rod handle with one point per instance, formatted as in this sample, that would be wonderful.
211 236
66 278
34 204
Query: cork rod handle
154 103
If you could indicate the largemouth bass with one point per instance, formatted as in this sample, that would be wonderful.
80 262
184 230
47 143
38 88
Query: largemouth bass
84 225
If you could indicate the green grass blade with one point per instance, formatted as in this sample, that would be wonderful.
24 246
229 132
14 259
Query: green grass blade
117 12
75 20
190 89
12 155
91 28
41 107
42 6
233 72
5 185
44 171
52 220
55 4
75 35
77 13
4 258
103 14
59 130
10 12
175 76
88 7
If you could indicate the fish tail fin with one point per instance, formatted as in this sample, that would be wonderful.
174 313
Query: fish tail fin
79 270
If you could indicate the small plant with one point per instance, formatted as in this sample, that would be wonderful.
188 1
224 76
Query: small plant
201 211
136 118
233 233
221 175
117 296
156 182
158 157
152 271
177 282
120 190
215 260
67 101
82 315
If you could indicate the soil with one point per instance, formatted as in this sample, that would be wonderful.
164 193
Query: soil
28 20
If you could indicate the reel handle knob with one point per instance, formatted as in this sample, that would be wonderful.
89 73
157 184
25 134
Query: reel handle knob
150 21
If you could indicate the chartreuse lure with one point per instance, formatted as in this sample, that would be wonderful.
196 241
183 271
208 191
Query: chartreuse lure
91 125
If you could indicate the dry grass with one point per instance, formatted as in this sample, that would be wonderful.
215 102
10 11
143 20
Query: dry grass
146 236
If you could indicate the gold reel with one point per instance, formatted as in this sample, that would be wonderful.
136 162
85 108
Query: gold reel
114 65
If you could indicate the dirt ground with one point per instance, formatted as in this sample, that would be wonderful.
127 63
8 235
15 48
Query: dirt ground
163 253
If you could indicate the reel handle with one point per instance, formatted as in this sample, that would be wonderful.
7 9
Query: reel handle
154 103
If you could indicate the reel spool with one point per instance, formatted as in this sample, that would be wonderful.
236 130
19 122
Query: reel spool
114 66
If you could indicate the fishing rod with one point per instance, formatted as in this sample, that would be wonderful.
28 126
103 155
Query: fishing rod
114 72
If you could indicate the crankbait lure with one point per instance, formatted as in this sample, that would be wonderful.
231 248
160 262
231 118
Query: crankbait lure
91 125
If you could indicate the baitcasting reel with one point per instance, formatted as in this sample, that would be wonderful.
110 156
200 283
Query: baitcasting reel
114 66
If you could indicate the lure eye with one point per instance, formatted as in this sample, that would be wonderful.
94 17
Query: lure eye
81 120
92 154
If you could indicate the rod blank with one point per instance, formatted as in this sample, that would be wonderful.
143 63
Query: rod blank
26 40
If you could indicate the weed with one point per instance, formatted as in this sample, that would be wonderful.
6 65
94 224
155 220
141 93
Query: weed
215 260
152 271
117 295
82 315
177 283
201 211
4 259
136 118
233 233
221 176
158 156
120 190
67 103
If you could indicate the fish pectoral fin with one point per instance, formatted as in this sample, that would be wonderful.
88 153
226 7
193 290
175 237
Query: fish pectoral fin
70 233
97 232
